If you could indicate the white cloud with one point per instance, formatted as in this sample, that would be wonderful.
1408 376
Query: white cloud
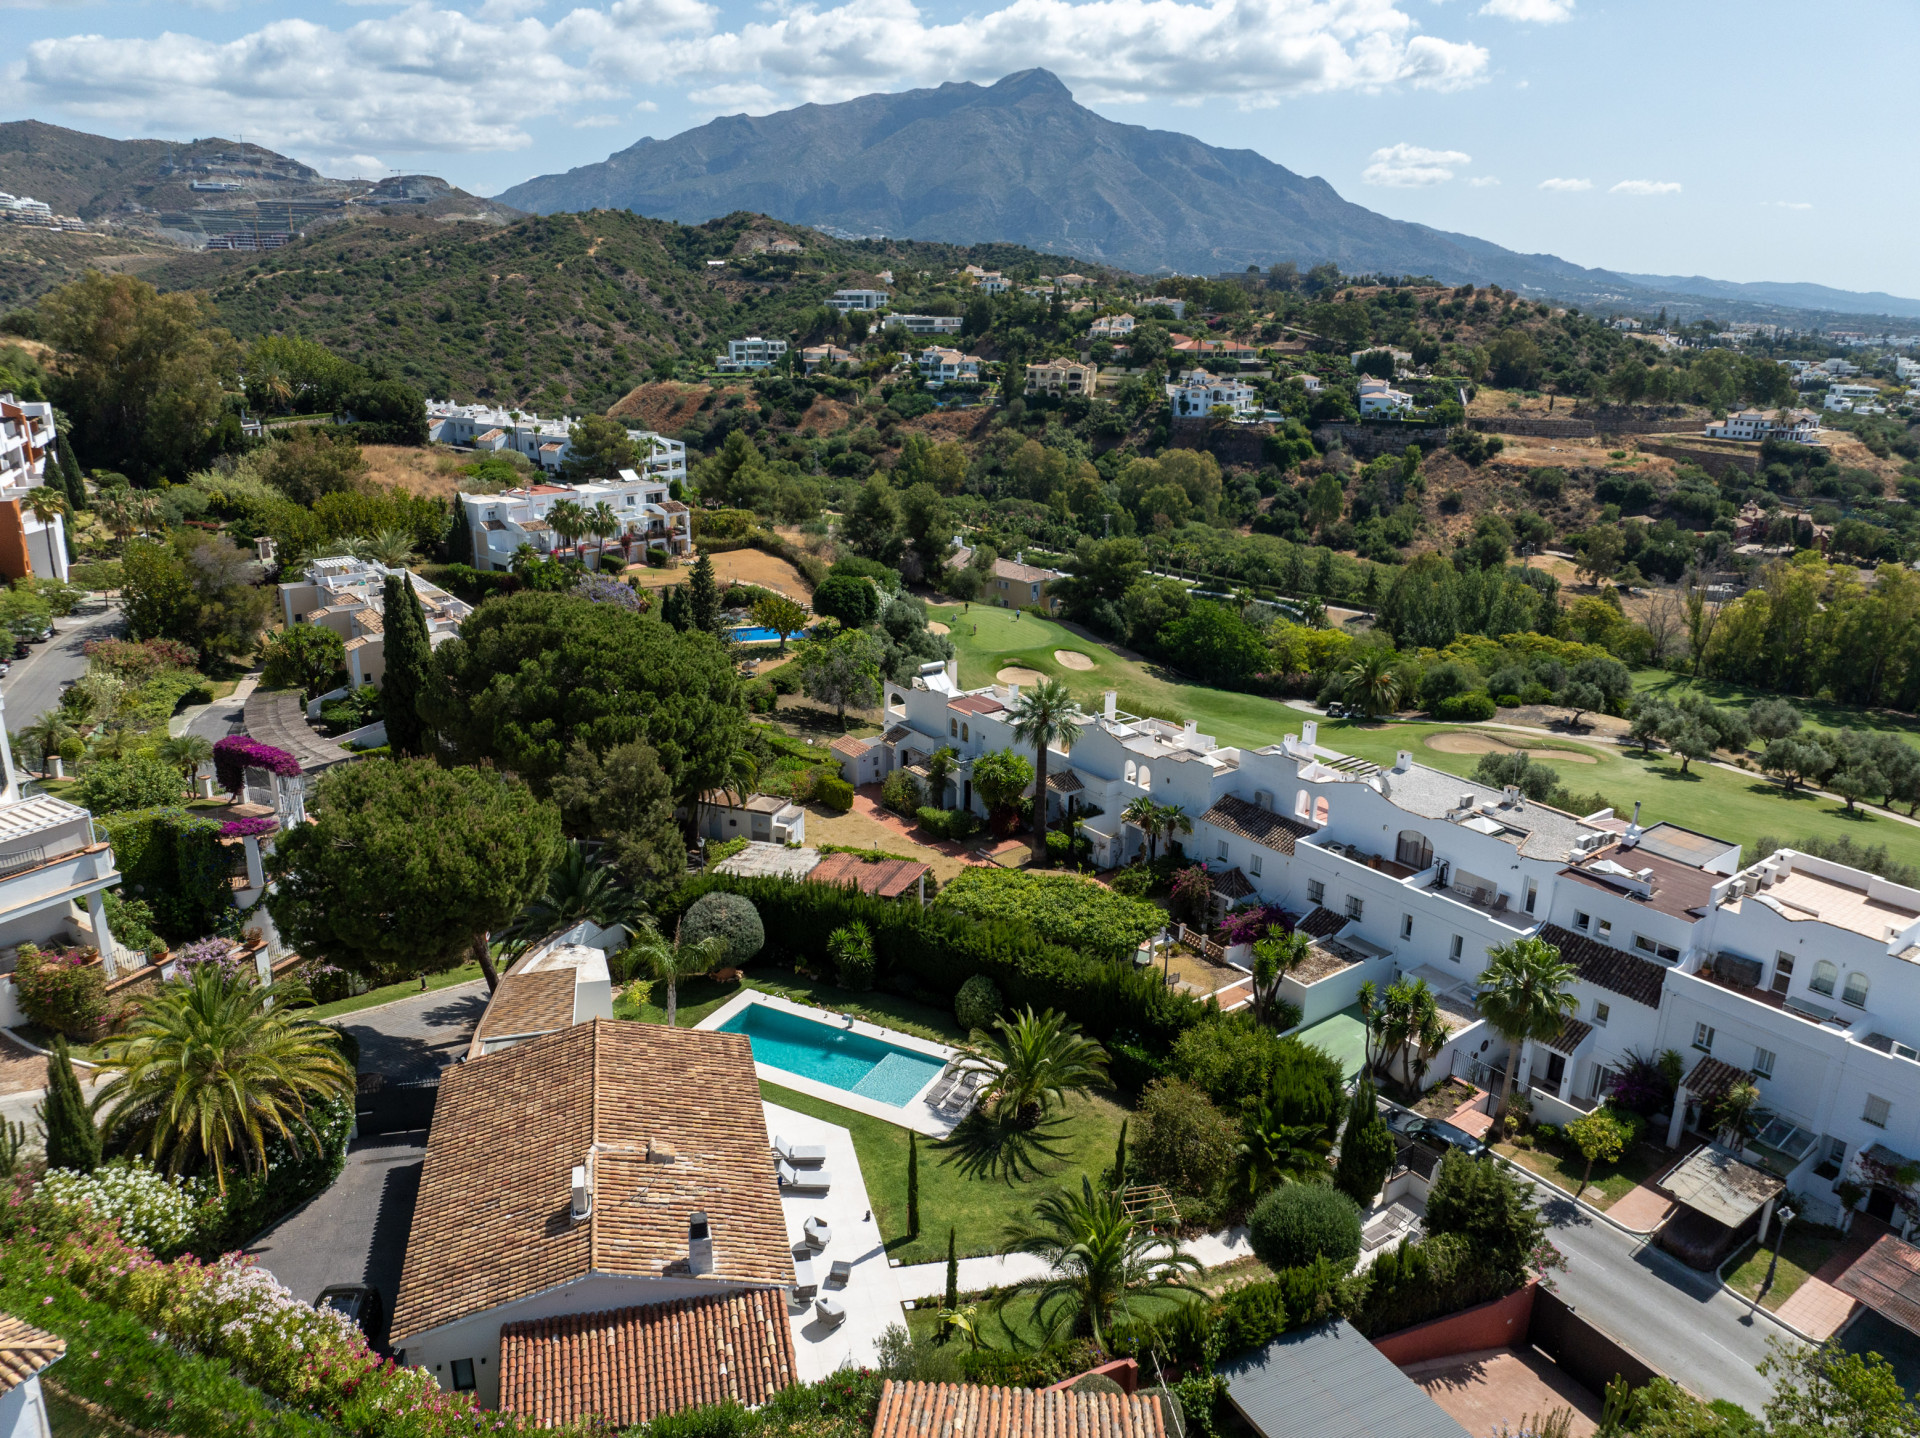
1566 185
1481 182
1413 165
1646 187
1791 205
595 122
647 105
734 99
1532 12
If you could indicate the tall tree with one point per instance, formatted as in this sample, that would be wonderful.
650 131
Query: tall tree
598 448
1526 994
72 1137
307 657
842 670
703 594
1100 1264
409 660
408 867
1045 716
1366 1148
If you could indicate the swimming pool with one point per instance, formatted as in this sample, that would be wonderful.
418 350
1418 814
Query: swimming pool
755 634
866 1066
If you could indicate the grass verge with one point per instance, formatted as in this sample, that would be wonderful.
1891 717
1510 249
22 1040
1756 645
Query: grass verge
1808 1246
387 993
1561 1163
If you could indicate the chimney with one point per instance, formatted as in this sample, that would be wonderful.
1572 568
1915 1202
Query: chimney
1013 693
1310 734
699 1244
1403 761
1190 734
659 1151
1112 703
582 1194
1632 837
953 672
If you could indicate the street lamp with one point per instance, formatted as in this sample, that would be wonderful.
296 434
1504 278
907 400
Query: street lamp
1786 1216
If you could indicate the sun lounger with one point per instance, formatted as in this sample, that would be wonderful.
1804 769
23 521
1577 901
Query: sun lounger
808 1179
942 1087
965 1091
804 1283
841 1272
832 1310
800 1153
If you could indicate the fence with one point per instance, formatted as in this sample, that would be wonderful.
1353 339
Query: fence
1587 1354
385 1107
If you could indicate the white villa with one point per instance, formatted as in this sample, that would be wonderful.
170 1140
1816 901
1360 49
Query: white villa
1797 974
925 324
1110 327
1379 397
847 301
1198 393
944 366
28 545
751 353
547 442
348 597
1801 426
643 515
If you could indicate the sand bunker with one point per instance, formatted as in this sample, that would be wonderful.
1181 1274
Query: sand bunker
1067 659
938 629
1013 674
1484 743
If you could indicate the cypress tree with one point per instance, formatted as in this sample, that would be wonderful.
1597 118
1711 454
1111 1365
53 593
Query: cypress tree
408 653
1366 1148
1120 1158
703 594
913 1184
71 484
459 537
673 608
73 1139
953 1275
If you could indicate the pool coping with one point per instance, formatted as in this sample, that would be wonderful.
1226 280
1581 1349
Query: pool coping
914 1114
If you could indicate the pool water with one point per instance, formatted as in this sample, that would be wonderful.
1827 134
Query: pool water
754 634
830 1055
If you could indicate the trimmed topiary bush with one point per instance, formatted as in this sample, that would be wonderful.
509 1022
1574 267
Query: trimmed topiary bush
1096 1383
977 1004
732 919
1300 1222
902 793
834 793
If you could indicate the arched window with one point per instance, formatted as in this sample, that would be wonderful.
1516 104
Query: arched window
1414 851
1855 992
1302 806
963 733
1146 777
1825 975
953 727
1321 812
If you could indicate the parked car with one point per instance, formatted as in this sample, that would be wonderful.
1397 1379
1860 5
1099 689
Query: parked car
1435 1134
362 1304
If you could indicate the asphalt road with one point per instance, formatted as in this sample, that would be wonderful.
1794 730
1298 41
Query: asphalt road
414 1038
33 685
1679 1320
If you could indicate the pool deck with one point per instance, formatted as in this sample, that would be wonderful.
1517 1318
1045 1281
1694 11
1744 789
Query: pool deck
914 1114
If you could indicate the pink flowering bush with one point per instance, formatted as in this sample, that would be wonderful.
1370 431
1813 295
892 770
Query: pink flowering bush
235 754
1246 926
223 954
250 827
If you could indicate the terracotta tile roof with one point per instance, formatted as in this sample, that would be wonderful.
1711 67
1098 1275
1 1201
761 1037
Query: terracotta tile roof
977 704
896 734
1571 1034
1065 781
1232 885
25 1351
960 1410
491 1223
1322 924
884 878
1712 1077
849 745
535 1003
1638 979
1887 1279
1022 573
674 506
630 1365
1250 821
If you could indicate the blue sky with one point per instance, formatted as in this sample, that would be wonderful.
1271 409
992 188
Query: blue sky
1751 141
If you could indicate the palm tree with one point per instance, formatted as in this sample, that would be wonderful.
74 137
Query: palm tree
47 733
1277 1152
577 889
393 548
604 524
1274 957
1100 1263
1370 684
187 752
43 504
569 521
118 516
1174 820
1524 994
213 1064
671 960
1144 815
1045 716
1035 1063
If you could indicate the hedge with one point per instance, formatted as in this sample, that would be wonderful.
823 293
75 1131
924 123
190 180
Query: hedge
834 792
174 860
1059 907
939 951
951 824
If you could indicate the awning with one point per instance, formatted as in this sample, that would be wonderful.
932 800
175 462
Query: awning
1715 1184
1711 1080
1572 1034
1887 1279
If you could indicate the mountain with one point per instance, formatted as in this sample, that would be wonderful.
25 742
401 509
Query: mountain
1020 161
1792 296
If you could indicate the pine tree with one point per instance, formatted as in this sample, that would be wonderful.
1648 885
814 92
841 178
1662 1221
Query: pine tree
73 1139
1366 1148
460 537
953 1274
673 608
913 1184
408 653
703 595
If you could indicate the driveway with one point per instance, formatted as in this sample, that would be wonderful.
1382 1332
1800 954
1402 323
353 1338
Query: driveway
33 685
355 1232
410 1040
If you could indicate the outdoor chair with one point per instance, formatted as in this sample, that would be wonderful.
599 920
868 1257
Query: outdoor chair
818 1231
841 1272
832 1310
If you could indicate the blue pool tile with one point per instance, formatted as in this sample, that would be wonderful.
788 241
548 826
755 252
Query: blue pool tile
831 1055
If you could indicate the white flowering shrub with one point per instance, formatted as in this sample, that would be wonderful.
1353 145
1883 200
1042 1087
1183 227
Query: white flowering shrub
149 1208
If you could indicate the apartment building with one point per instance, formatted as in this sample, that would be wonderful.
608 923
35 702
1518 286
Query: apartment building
925 324
547 442
644 516
29 545
1060 377
1798 426
1199 393
1797 974
348 596
846 301
944 366
751 353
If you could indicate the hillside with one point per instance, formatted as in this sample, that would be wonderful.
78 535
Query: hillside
565 312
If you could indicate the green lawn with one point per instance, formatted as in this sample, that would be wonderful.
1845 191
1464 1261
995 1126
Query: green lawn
1737 807
700 997
390 992
1561 1163
1808 1246
958 1189
1011 1323
1817 714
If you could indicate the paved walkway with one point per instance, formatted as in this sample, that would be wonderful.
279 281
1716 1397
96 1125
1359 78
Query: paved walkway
1496 1390
929 1280
1816 1307
1642 1209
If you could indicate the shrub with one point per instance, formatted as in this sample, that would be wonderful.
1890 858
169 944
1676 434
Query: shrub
903 793
1135 881
851 946
1423 1280
1184 1142
1490 1208
954 825
64 991
1465 708
977 1004
112 786
1366 1148
833 792
721 850
152 1209
172 858
732 919
1300 1222
1236 1060
1059 907
235 754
